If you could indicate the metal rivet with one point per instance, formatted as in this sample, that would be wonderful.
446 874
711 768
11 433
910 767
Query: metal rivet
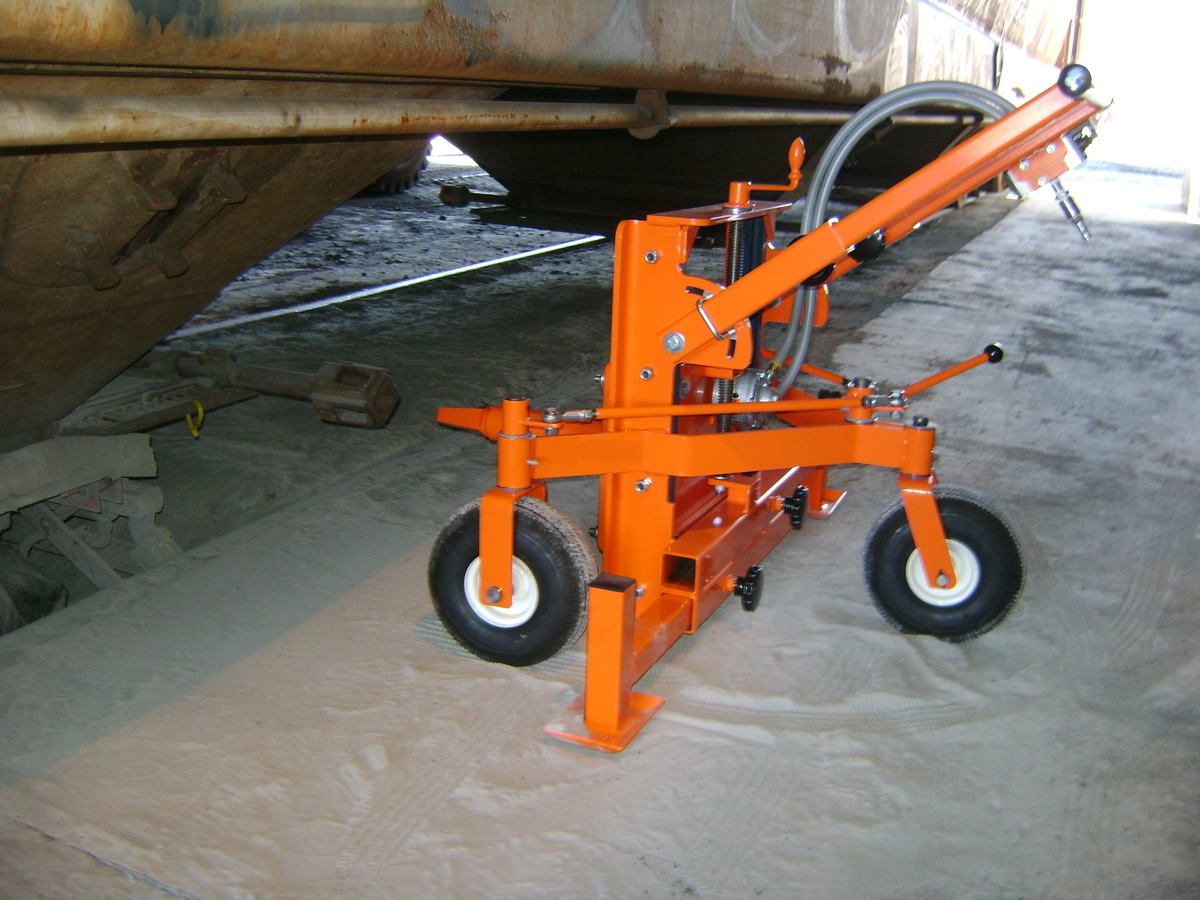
646 374
1043 181
642 486
493 595
1023 165
718 520
651 256
942 580
674 342
1051 148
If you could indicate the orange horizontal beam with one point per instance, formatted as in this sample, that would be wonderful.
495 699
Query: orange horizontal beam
717 409
607 453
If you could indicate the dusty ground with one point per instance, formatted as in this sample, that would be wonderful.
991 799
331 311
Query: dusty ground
278 714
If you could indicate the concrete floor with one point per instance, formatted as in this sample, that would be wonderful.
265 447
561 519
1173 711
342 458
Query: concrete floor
279 714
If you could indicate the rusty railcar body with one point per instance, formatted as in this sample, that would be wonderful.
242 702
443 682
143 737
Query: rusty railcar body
152 150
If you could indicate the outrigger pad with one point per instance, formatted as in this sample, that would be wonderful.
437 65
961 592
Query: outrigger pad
642 708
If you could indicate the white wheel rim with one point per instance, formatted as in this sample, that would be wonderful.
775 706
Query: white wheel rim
966 576
524 601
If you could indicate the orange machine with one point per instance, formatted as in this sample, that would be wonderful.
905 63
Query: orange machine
704 467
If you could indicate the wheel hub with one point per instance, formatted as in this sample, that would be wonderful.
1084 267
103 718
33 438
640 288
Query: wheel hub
966 572
524 599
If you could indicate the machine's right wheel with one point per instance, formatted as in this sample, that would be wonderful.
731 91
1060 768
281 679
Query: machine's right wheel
988 566
552 566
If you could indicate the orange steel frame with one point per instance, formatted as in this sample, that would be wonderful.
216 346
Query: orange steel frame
675 527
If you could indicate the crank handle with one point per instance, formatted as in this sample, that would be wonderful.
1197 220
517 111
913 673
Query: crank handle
992 353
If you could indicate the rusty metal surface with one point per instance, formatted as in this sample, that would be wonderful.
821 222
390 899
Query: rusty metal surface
38 121
1045 29
94 269
805 49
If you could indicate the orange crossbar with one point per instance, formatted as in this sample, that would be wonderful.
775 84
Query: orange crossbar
879 444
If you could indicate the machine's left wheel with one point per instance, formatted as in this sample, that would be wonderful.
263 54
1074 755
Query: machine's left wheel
552 566
988 566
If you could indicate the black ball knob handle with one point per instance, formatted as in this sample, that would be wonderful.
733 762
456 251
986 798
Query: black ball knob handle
1075 80
750 587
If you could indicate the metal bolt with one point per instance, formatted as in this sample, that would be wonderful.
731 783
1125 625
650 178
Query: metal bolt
494 594
639 592
720 488
646 374
718 520
651 256
551 432
942 580
599 379
920 422
674 342
1051 148
1023 165
1043 181
642 486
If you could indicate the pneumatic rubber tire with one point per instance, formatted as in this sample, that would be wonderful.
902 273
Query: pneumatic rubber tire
989 568
553 565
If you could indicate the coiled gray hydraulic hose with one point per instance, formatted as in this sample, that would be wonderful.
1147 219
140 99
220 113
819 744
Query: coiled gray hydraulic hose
879 110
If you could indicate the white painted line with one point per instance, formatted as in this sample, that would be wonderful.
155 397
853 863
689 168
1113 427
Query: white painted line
382 289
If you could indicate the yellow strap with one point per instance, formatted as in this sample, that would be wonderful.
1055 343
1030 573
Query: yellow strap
194 427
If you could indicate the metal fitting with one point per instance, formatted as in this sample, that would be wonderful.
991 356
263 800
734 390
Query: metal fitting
651 256
646 374
578 415
550 415
674 342
643 485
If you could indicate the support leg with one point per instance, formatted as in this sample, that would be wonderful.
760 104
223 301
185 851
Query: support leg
612 712
926 523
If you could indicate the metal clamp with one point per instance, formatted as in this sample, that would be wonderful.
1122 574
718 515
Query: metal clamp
707 321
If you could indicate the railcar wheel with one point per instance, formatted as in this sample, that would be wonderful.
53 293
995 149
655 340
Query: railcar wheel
988 565
552 566
403 176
